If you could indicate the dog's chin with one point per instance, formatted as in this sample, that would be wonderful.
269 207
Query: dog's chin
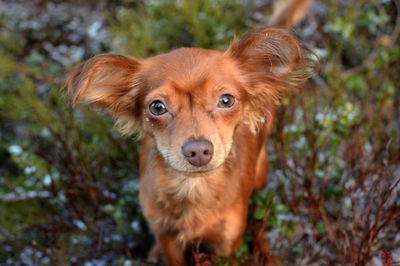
183 167
197 172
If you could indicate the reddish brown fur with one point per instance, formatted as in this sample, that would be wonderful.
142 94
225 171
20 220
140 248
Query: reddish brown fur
289 12
185 203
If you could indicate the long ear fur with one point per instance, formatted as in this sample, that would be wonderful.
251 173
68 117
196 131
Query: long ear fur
270 60
110 82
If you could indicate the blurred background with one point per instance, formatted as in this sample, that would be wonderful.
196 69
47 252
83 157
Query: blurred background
69 182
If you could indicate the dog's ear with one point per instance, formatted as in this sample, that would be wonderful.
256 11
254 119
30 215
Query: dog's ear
110 82
267 51
270 60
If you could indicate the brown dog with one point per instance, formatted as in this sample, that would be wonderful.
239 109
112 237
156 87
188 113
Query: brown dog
204 116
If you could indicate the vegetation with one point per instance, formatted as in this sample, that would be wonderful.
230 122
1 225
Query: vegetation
69 181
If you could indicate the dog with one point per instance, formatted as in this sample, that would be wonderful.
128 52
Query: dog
203 117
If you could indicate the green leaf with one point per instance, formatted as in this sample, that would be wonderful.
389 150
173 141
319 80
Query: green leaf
269 198
320 227
282 208
259 214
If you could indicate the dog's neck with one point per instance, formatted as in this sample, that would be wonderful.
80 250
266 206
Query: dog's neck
189 201
205 188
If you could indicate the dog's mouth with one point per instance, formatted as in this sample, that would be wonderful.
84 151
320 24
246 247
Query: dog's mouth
198 173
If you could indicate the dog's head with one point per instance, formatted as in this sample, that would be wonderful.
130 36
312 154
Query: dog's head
191 100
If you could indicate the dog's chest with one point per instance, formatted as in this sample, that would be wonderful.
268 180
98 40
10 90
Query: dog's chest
188 222
189 207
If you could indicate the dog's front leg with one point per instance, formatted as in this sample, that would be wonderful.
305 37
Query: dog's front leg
155 255
172 251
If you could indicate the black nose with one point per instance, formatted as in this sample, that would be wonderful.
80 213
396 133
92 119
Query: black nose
198 152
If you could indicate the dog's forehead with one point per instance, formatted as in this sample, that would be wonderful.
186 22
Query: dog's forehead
189 66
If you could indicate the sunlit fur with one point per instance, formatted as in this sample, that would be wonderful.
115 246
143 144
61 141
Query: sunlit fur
183 203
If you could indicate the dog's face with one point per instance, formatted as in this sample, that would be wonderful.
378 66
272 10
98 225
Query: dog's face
192 106
191 100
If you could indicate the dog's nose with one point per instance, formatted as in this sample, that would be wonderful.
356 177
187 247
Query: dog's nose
198 152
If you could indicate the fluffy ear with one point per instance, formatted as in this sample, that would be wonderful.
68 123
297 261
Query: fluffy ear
110 82
270 60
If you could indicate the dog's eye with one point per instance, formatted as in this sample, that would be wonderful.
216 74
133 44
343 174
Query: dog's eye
226 101
157 108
